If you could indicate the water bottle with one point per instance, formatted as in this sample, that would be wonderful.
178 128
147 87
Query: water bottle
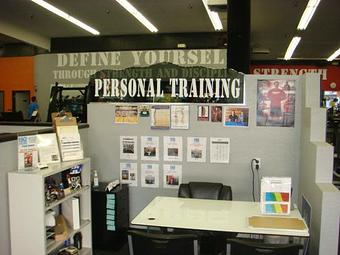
95 179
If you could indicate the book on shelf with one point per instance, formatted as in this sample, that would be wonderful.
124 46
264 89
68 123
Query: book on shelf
70 210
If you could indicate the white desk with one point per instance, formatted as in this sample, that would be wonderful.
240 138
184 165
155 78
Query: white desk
213 215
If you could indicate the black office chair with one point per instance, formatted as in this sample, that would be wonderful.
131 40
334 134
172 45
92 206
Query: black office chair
205 190
142 243
212 242
256 247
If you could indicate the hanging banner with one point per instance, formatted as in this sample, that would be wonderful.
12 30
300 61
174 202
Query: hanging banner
167 83
330 78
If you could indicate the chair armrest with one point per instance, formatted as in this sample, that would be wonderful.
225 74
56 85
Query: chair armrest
226 193
184 190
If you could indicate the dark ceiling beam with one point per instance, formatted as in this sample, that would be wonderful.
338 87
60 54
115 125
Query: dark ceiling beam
213 40
238 55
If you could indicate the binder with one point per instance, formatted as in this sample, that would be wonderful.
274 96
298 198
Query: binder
70 210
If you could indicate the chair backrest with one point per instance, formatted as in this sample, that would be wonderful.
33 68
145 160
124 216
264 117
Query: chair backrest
142 242
246 247
205 190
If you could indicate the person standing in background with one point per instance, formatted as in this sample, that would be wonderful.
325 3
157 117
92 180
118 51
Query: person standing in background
33 109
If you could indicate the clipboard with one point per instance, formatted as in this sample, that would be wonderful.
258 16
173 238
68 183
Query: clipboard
288 223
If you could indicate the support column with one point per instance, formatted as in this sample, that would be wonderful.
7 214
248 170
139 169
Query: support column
238 42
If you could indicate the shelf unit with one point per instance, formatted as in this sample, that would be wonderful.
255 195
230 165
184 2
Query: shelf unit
27 209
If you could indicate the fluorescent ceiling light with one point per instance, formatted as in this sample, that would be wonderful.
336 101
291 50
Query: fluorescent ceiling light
295 41
141 18
334 55
66 16
308 14
214 18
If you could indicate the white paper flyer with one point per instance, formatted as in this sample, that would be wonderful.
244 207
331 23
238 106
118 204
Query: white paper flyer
128 147
219 149
172 176
173 148
69 143
128 173
179 116
150 175
150 148
48 148
196 149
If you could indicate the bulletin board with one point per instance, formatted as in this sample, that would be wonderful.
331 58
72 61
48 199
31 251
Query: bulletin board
275 145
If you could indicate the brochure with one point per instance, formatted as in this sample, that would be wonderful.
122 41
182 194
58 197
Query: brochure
27 152
48 148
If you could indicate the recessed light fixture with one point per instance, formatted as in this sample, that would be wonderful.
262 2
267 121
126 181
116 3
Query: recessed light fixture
334 55
291 48
308 14
141 18
214 18
66 16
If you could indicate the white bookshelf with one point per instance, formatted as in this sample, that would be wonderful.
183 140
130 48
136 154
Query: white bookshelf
27 209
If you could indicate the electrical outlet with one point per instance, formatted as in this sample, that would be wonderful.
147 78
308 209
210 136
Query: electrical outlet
257 163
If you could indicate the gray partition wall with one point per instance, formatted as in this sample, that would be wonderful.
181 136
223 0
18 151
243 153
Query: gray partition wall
278 148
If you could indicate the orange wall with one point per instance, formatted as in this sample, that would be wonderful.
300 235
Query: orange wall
16 73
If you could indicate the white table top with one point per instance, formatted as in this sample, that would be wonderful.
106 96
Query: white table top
204 214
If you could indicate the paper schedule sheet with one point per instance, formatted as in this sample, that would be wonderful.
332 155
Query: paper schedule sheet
219 149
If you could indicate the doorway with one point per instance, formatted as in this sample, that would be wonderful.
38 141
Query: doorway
21 100
2 102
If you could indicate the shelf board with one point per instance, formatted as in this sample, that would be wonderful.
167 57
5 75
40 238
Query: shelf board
52 244
53 168
74 193
85 251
